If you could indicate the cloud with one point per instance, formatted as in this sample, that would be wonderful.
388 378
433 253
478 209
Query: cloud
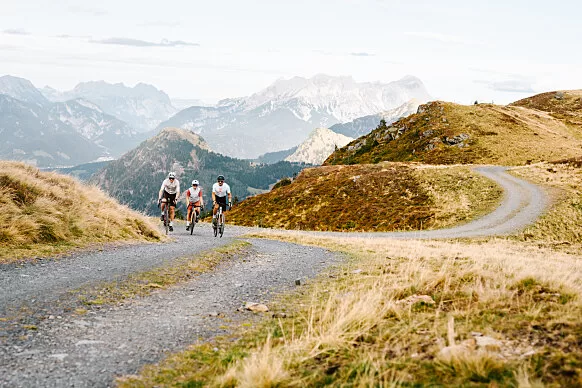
444 38
144 43
159 24
362 54
510 86
15 31
85 10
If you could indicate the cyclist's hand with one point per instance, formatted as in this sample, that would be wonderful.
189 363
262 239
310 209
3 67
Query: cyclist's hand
230 205
159 201
214 203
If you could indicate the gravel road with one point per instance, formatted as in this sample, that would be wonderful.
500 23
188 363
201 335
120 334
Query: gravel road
67 350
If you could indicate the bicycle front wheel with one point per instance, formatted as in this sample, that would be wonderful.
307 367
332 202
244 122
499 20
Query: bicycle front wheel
166 219
221 227
192 218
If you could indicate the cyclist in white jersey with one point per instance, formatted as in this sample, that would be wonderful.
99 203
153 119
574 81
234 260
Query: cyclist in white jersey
220 191
170 190
194 200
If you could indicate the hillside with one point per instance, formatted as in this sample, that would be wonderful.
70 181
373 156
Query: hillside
43 213
320 143
382 197
135 178
447 133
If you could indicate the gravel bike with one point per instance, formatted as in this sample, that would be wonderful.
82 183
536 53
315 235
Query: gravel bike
219 226
194 218
166 216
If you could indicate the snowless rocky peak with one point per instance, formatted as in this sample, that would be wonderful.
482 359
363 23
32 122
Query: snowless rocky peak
341 97
321 143
21 89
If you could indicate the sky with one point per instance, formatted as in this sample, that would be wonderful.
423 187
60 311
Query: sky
491 51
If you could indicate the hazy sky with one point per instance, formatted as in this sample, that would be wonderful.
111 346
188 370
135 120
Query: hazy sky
462 50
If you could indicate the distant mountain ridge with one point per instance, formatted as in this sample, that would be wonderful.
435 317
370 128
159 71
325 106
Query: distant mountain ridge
320 143
364 125
143 106
30 134
34 128
282 115
22 89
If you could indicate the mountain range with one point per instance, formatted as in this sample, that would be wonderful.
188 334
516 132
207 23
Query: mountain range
107 120
282 115
143 106
70 128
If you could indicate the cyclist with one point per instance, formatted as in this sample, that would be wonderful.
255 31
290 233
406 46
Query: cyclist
194 200
220 191
169 191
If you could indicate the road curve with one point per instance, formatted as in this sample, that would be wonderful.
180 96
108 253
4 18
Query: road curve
522 204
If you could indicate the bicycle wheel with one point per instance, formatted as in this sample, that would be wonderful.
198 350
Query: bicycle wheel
166 219
192 218
215 226
221 225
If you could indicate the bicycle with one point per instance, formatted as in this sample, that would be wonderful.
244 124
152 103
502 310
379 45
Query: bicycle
166 214
220 221
194 218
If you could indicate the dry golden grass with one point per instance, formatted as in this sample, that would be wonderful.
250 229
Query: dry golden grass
516 134
357 328
381 197
561 226
45 213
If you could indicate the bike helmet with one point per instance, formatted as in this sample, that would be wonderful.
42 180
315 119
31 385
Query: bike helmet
220 178
195 182
172 175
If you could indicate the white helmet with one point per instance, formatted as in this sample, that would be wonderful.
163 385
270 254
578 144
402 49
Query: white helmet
195 182
172 175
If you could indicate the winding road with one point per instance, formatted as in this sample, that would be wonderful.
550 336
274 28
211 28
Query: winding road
44 344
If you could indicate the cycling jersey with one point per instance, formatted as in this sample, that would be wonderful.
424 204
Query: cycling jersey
195 194
221 191
170 187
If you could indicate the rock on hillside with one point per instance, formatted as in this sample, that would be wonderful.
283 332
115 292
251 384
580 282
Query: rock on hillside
318 146
135 178
447 133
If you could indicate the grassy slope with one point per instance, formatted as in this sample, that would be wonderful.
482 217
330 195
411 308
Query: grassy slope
355 328
380 197
561 226
516 134
43 213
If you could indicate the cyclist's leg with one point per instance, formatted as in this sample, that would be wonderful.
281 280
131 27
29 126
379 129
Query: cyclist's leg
188 213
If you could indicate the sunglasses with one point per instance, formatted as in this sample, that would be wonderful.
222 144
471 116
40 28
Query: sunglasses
171 179
220 181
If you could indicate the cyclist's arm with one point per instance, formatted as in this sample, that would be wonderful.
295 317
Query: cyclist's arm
213 198
177 190
188 197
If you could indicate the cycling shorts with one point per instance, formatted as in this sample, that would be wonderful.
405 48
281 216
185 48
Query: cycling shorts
170 198
222 202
